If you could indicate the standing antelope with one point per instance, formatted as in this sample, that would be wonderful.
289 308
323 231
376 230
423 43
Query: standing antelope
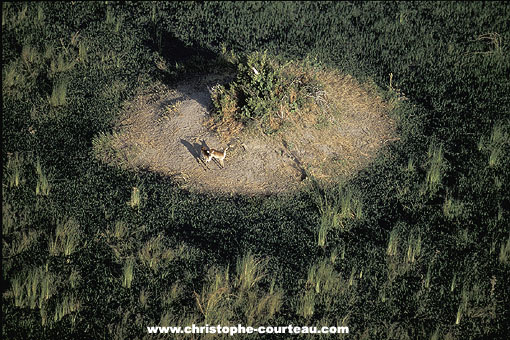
212 153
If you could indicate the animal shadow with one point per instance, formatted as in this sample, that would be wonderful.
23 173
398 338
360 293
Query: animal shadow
194 150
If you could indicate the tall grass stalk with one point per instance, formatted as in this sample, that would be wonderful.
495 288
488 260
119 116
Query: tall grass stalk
435 335
414 248
11 75
504 252
306 306
43 185
74 278
410 165
382 295
436 167
250 270
33 288
59 94
259 307
8 219
135 198
69 304
460 310
393 243
214 300
23 13
323 278
17 289
29 55
495 144
49 51
83 52
333 256
67 238
322 233
143 298
428 277
498 135
171 296
39 19
452 208
14 170
44 316
351 278
110 17
166 319
454 282
335 211
118 24
128 273
495 156
5 13
120 230
463 304
23 241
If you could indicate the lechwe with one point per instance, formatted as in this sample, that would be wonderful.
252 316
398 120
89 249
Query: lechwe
213 153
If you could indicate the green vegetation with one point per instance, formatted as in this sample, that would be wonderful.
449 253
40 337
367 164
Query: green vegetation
414 246
264 91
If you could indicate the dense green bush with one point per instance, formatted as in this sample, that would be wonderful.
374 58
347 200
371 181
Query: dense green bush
264 90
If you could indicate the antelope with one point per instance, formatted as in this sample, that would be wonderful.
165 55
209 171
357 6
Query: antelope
212 153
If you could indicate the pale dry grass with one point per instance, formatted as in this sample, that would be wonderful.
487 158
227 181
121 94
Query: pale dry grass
342 130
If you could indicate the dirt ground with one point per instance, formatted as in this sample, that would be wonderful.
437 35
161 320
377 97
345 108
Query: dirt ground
163 130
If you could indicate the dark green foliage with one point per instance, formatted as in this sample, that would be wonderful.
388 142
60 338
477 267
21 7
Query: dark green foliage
428 256
264 87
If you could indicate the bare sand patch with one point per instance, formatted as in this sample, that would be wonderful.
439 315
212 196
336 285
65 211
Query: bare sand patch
163 129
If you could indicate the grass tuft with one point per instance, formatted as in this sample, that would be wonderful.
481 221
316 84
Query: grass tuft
43 185
336 209
414 248
128 273
436 167
68 305
33 288
213 302
452 208
306 306
83 52
59 94
154 254
393 243
67 238
249 271
29 55
14 170
14 80
135 198
453 285
496 144
504 252
120 230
